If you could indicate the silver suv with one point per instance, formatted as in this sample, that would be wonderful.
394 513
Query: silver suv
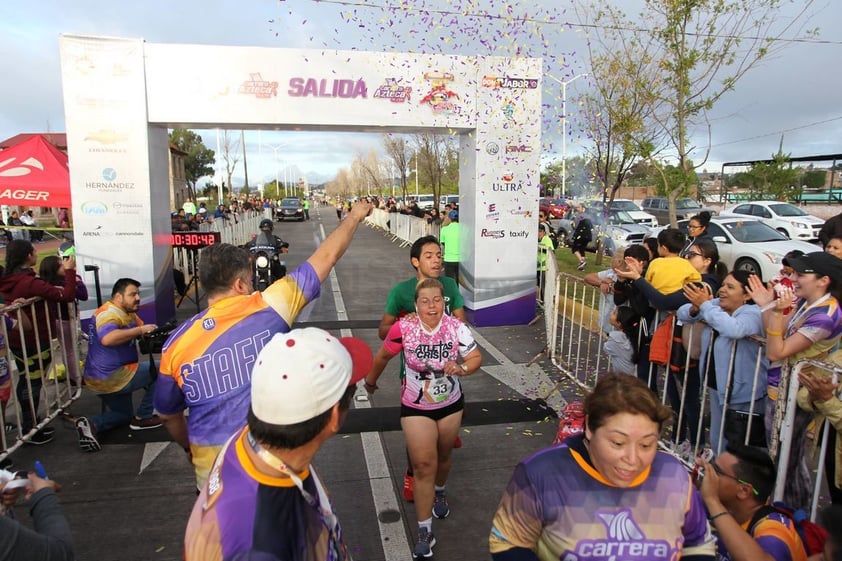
619 230
684 208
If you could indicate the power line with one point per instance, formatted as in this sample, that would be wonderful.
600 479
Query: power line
777 132
537 21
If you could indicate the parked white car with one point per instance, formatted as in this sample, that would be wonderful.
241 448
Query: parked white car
787 219
748 244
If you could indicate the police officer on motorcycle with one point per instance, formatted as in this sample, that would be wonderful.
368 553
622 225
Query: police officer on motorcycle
265 249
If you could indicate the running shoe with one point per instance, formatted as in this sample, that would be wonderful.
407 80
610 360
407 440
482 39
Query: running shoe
87 435
43 436
425 543
408 487
440 507
152 422
581 266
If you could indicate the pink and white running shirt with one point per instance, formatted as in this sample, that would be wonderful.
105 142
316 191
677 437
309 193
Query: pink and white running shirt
426 386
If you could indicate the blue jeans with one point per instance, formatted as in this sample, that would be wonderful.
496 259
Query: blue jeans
717 412
29 415
119 407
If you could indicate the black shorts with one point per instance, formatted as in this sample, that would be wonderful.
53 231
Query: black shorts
434 414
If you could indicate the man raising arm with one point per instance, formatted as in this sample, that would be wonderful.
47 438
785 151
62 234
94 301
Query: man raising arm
206 363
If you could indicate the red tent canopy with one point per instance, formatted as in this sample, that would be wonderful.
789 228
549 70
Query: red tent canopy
34 173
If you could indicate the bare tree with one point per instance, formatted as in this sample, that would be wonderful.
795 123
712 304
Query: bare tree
433 162
399 152
371 172
696 51
230 149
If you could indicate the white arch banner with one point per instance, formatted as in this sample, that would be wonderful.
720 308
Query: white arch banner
121 95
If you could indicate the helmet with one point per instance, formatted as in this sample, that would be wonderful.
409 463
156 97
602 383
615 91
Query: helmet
266 223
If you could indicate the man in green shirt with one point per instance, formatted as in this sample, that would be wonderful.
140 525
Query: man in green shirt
306 206
450 241
425 257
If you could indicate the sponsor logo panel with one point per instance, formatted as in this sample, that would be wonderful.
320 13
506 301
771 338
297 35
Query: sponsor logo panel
509 82
393 91
440 98
109 182
258 87
94 207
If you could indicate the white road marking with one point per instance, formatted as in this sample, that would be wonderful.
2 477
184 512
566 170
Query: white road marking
151 451
393 537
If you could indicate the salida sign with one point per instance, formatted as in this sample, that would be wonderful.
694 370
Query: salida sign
312 87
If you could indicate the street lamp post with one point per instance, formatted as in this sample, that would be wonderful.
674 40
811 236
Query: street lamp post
275 150
564 127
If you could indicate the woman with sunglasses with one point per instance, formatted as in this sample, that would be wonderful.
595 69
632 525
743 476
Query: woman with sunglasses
697 229
733 318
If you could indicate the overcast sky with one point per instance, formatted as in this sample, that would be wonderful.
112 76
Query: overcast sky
795 94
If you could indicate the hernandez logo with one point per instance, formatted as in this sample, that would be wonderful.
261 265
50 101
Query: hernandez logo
625 541
393 91
109 182
310 87
509 82
492 148
441 100
258 87
94 207
496 234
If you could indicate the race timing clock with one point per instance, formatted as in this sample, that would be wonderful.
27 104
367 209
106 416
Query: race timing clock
194 240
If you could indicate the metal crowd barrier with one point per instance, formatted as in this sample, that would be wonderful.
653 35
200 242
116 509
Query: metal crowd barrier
402 227
785 423
235 232
575 347
53 368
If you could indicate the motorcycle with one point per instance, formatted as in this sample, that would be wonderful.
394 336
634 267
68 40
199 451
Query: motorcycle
268 266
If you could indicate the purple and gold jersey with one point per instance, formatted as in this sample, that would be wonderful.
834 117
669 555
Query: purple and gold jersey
245 514
206 363
821 323
559 506
109 368
776 534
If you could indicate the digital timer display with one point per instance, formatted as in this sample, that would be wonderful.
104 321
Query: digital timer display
194 240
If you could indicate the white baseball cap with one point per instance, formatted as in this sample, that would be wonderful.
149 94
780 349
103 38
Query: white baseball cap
301 374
